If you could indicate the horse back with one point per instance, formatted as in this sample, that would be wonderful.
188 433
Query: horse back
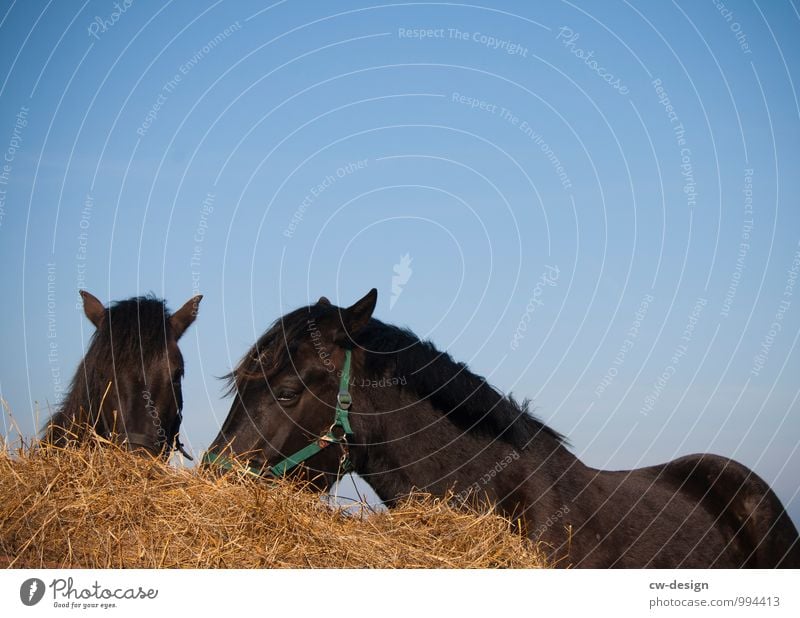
740 501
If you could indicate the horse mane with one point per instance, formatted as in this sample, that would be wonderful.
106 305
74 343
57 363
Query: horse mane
267 356
467 399
131 334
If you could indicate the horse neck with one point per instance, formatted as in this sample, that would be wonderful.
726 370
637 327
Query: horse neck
415 448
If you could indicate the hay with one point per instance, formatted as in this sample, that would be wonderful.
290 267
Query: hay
91 507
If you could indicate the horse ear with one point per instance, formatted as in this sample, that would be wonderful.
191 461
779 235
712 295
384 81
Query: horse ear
93 308
323 300
356 316
183 317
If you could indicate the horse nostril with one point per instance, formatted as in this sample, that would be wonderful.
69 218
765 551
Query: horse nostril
140 449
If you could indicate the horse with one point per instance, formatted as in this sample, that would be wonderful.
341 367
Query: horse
127 388
327 390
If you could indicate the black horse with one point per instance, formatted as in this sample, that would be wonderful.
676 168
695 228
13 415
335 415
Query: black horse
128 386
371 397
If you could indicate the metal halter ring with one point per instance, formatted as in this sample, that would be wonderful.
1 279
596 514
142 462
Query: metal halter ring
344 400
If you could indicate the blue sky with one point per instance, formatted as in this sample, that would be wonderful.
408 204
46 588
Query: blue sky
523 156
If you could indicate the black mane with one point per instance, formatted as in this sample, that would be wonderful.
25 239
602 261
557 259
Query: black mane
132 333
271 352
467 399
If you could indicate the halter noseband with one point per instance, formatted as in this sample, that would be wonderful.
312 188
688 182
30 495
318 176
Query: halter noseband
340 420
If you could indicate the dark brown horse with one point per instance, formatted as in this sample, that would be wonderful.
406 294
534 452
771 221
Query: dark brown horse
128 386
418 420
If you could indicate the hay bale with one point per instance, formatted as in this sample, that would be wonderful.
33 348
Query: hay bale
101 507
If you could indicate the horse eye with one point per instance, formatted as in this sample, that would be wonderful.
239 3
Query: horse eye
285 396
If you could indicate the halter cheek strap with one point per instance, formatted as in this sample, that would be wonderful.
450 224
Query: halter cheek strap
341 421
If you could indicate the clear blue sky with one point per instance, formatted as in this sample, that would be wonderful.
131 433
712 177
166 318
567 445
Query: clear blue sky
167 148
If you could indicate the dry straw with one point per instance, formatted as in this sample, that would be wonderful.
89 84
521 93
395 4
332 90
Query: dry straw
100 507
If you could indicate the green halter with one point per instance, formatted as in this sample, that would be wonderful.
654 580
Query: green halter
341 420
